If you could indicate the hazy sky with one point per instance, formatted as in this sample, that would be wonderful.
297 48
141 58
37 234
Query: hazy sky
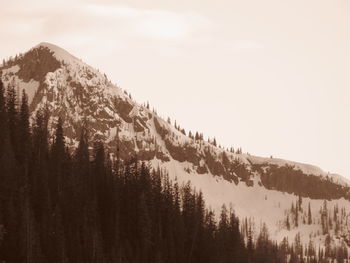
270 76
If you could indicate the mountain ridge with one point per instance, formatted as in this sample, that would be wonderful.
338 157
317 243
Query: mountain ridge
69 65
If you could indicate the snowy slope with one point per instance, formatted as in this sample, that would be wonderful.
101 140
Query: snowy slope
259 204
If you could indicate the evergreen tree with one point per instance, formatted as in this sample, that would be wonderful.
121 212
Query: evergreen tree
324 218
309 216
24 130
287 223
250 245
8 186
24 156
300 202
197 137
144 228
12 115
296 215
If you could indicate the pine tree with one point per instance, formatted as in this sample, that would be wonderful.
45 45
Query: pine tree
178 230
298 247
24 130
262 251
223 236
300 202
3 118
190 135
58 164
196 137
309 216
144 227
210 230
24 159
12 115
198 240
287 223
296 215
324 218
327 246
8 187
250 245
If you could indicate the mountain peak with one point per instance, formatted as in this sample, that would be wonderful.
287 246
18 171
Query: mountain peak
48 45
59 53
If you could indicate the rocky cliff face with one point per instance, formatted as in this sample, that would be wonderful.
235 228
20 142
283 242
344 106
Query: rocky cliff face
78 93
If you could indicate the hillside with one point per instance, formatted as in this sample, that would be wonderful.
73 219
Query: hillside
259 189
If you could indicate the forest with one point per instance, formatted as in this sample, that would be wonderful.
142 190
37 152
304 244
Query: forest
88 205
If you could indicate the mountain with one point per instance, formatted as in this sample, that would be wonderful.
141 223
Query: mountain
264 190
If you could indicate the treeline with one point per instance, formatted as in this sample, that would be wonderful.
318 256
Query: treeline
84 206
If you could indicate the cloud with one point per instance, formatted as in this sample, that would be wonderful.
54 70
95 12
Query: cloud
241 45
164 26
80 25
56 16
155 24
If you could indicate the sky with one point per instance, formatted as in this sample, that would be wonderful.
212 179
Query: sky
269 76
